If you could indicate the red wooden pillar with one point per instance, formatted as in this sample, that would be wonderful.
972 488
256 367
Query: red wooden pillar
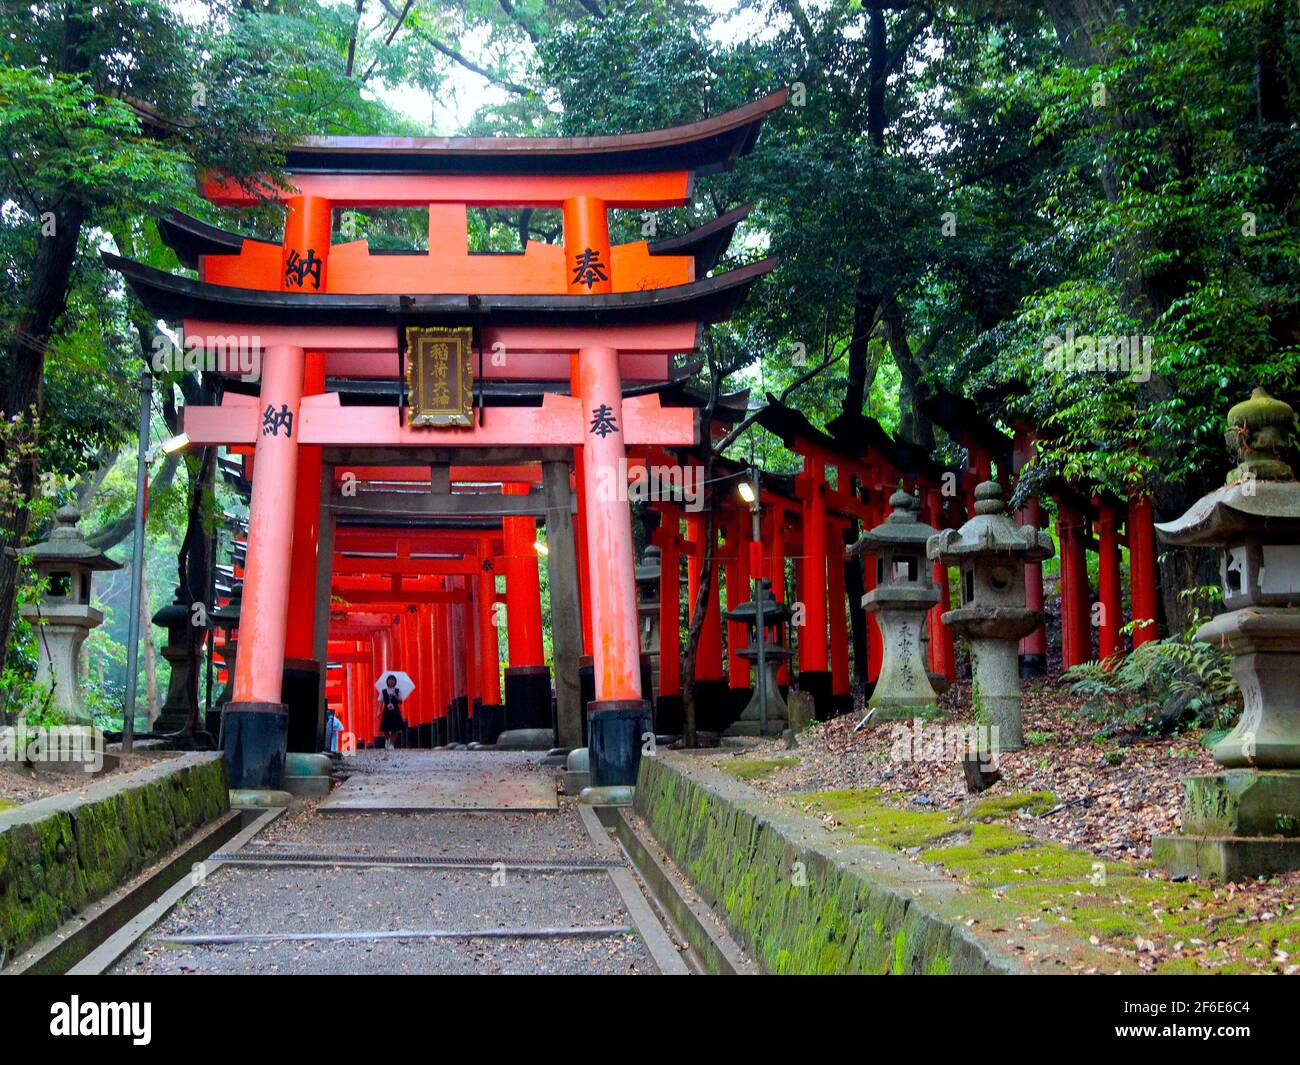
300 634
708 660
1033 648
616 649
489 655
1142 568
254 724
943 652
875 642
774 520
670 605
737 532
580 522
813 650
838 618
1109 595
1076 641
523 588
442 686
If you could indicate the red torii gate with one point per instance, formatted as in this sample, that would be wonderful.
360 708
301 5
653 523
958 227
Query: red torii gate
590 312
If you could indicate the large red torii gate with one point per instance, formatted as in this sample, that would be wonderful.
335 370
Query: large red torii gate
588 312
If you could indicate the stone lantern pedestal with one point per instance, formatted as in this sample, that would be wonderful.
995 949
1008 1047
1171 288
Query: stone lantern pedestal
991 553
1245 822
175 618
904 593
64 617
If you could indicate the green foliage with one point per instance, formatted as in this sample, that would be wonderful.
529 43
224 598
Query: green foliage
1132 690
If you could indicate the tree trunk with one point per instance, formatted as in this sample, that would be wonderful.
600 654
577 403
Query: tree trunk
44 299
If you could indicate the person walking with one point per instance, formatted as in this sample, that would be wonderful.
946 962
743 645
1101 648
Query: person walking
391 721
333 726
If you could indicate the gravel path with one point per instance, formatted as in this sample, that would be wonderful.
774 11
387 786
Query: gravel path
277 900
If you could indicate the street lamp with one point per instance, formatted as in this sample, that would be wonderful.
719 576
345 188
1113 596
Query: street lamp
751 492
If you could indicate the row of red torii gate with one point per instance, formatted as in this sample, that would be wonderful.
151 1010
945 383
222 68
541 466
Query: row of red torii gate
431 431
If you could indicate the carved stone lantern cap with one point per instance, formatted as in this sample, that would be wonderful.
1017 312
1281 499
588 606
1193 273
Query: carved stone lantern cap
1261 498
774 611
903 527
68 544
648 571
990 534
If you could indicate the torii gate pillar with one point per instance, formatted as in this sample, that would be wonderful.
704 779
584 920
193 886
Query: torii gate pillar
254 724
619 716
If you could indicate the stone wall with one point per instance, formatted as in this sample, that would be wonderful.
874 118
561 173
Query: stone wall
61 853
801 901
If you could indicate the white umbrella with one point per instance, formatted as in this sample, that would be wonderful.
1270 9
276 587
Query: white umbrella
404 683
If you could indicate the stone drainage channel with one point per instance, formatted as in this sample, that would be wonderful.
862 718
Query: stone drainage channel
438 890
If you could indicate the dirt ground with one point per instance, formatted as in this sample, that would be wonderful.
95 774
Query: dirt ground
20 783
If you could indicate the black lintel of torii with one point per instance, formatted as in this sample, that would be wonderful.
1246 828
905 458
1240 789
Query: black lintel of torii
792 425
389 391
963 421
171 297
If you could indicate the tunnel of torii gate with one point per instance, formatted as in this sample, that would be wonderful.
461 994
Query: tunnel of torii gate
418 413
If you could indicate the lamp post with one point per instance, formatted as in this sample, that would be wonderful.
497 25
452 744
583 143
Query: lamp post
137 562
752 494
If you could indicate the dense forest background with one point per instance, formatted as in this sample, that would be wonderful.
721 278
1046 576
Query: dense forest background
950 186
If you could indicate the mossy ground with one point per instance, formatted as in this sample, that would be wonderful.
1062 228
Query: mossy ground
1123 904
753 768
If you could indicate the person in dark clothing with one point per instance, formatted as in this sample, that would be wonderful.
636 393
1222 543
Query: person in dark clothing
391 721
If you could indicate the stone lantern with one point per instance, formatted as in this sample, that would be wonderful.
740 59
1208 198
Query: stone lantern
990 552
647 609
64 617
775 615
177 620
904 593
1246 821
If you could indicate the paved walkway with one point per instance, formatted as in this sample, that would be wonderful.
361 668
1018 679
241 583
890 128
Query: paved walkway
306 882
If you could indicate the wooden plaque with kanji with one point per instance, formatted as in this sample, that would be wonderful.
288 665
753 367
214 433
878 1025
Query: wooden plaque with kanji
440 377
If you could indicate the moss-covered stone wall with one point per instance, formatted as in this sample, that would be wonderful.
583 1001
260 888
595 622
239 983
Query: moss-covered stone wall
61 853
801 901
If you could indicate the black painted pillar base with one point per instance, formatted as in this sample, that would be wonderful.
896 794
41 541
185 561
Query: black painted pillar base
212 720
489 720
615 728
737 700
1033 665
712 702
253 739
842 704
440 732
817 682
300 690
586 690
459 711
528 697
670 715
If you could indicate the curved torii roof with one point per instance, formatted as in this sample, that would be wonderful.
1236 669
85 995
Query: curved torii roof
705 147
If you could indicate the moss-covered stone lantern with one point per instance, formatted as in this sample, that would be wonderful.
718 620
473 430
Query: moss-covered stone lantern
991 552
67 565
1246 821
904 593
